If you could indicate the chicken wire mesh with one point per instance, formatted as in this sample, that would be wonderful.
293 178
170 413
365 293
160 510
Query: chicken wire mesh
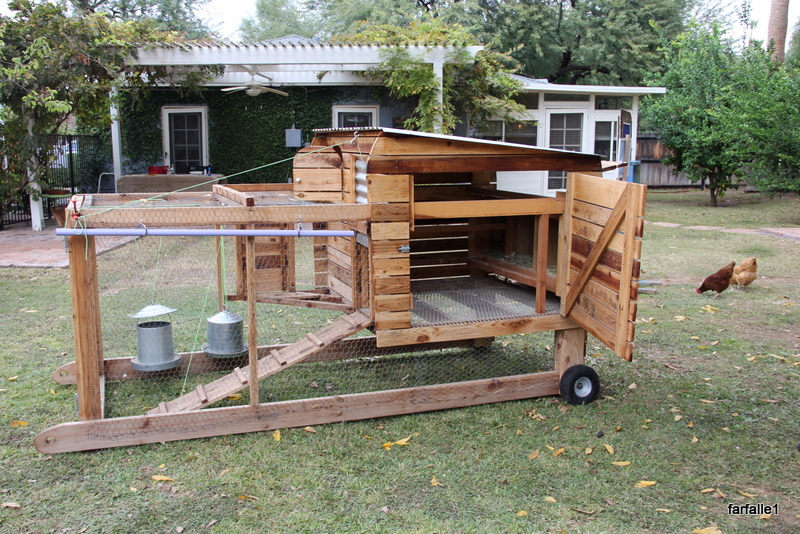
175 321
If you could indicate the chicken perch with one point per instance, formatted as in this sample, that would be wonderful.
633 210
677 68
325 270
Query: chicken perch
719 281
745 272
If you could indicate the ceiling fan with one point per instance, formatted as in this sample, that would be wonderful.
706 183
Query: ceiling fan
254 88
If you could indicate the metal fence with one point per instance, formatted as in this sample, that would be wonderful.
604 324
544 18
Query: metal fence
78 161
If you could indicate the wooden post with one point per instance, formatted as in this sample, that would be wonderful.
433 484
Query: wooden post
570 349
86 326
220 274
542 249
252 331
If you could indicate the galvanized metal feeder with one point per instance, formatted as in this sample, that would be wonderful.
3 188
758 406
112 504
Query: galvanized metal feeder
225 336
155 346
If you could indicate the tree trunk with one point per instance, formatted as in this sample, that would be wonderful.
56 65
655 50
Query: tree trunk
778 24
713 192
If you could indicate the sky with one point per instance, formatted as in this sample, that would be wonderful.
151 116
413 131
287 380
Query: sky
227 14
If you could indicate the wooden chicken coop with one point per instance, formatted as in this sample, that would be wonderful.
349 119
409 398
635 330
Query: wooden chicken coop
415 248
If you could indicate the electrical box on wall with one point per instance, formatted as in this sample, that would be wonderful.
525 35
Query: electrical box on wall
294 137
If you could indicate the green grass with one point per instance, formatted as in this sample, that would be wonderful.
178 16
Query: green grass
728 370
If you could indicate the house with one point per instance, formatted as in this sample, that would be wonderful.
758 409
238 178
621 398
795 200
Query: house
326 88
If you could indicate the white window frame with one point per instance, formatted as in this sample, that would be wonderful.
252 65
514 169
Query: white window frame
166 111
373 110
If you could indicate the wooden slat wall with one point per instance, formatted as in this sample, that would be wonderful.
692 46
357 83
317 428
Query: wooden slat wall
606 307
274 261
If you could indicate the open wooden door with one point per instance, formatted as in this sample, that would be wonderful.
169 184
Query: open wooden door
602 231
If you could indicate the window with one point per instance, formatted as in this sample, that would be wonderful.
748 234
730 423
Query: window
565 97
605 139
529 100
355 116
185 137
613 102
565 133
523 132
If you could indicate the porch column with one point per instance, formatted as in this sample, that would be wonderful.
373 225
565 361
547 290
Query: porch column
438 74
116 138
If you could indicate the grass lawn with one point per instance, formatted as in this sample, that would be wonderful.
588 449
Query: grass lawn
706 415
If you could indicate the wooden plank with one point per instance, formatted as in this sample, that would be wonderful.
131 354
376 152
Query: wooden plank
437 245
290 355
389 249
391 266
570 349
390 303
319 160
392 320
322 197
632 251
510 270
439 258
391 285
488 208
88 338
603 334
600 192
428 334
454 230
591 232
389 231
256 188
477 163
381 212
317 180
341 288
388 188
439 271
139 430
252 321
237 196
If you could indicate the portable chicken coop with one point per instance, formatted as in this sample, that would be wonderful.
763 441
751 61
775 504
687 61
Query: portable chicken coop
420 263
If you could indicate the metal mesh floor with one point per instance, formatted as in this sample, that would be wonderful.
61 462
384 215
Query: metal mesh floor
463 300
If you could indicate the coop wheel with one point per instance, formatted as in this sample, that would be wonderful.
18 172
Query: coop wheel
579 384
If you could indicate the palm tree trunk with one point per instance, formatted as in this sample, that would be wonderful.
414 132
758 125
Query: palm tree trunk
778 25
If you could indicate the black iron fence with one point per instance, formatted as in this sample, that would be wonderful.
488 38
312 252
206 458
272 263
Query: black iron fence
78 161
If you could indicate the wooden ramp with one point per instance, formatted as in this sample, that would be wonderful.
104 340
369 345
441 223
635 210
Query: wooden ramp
277 360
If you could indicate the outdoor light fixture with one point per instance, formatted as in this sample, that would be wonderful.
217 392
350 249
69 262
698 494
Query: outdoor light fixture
253 90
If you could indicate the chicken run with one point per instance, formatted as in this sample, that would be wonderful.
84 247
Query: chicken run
374 284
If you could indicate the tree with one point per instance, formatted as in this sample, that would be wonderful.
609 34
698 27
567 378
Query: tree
277 18
778 25
762 121
168 15
699 72
53 65
482 88
613 42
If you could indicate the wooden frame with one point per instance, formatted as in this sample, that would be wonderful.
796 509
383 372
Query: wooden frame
432 211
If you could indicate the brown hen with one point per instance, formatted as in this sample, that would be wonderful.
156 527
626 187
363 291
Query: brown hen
745 272
719 281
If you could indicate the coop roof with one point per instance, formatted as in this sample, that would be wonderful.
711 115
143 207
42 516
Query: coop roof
395 151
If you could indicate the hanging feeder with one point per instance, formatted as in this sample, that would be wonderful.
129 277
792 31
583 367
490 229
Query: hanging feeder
155 347
225 336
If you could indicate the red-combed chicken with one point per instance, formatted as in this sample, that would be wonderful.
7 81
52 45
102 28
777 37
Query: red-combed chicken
719 281
745 272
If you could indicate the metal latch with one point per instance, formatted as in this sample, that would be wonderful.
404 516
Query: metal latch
405 249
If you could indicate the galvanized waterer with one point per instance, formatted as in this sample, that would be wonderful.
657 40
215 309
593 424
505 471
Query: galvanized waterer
225 339
155 347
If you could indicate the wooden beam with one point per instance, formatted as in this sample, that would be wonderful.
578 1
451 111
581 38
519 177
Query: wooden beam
86 326
466 163
232 194
542 249
252 319
488 208
156 428
570 349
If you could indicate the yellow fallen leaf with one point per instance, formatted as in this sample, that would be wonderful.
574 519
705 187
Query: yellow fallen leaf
678 417
747 494
403 441
435 482
522 513
243 497
161 478
52 391
690 424
707 490
710 309
713 343
701 347
233 397
680 318
559 452
665 510
674 409
589 450
13 377
766 516
621 464
134 490
388 445
551 448
17 424
707 530
310 430
533 455
633 386
708 401
518 432
695 439
609 448
722 495
555 428
694 337
162 466
550 499
276 435
645 483
10 505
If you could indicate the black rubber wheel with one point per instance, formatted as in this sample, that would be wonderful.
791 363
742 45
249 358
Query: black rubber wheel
579 384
